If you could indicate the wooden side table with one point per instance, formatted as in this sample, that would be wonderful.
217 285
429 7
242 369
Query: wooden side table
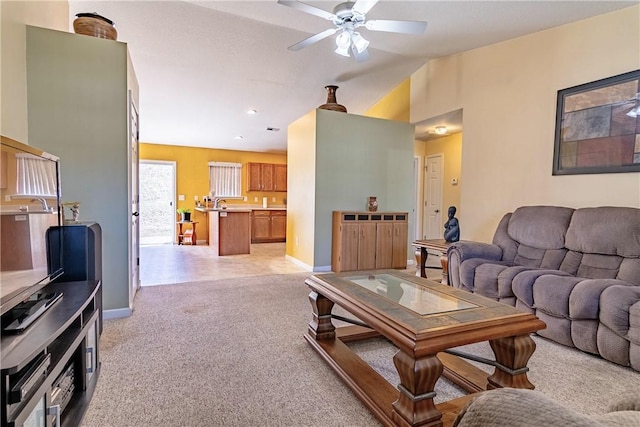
436 247
181 235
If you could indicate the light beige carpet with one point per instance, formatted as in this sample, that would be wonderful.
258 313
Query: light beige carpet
231 353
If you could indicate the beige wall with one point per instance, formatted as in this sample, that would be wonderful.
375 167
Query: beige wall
14 16
508 94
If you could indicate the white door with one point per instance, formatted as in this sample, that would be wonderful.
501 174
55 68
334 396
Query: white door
134 248
417 206
433 224
157 200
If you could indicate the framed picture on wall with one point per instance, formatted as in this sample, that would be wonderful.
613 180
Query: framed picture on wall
598 127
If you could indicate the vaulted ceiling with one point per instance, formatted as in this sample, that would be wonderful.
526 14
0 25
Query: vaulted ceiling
202 65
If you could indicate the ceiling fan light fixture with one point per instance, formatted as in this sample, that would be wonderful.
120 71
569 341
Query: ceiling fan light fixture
343 41
344 51
359 42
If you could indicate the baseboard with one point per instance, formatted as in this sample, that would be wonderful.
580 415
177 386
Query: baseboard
116 313
322 268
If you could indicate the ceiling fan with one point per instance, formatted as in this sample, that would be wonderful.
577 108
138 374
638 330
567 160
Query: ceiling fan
347 18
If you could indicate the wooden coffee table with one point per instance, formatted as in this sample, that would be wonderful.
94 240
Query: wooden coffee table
422 318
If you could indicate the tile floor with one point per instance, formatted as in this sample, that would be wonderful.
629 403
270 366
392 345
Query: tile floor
168 264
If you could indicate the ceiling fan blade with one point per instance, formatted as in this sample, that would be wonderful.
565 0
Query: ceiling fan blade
308 9
364 6
315 38
406 27
359 56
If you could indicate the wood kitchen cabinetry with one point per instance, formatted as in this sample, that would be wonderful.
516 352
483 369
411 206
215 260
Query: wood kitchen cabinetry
268 226
369 240
267 177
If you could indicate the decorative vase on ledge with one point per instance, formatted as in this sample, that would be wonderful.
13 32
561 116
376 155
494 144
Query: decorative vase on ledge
332 104
92 24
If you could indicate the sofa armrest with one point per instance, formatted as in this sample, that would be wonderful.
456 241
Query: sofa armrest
461 251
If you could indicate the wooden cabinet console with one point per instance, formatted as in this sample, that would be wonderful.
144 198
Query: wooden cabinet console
369 240
50 370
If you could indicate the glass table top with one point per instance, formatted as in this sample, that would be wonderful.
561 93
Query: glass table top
419 299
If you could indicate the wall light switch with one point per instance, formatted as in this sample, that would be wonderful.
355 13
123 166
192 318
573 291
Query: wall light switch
181 197
7 198
255 199
244 198
273 199
195 198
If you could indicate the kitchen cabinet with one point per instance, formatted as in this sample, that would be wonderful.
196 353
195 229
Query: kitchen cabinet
280 178
267 177
369 240
268 226
229 232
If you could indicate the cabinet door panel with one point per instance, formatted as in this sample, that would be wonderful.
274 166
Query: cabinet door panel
367 246
278 226
267 177
349 253
254 176
400 242
280 178
260 226
384 245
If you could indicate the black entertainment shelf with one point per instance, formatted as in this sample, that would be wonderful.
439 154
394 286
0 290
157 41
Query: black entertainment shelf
33 363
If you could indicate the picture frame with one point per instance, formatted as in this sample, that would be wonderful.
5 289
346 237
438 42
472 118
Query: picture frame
598 127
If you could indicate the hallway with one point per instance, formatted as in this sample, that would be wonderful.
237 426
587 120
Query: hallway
169 263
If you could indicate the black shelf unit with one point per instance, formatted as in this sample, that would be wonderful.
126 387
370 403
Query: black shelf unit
67 336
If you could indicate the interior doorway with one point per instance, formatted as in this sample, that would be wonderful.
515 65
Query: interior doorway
157 202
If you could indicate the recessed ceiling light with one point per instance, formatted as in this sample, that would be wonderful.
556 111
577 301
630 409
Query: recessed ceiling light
252 111
441 130
238 137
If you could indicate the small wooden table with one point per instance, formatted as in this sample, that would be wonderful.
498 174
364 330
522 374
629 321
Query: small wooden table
194 238
436 247
422 318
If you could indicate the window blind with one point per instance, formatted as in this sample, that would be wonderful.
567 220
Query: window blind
36 177
225 179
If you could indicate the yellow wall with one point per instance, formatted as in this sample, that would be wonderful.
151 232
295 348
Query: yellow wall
14 15
450 147
395 105
508 93
192 171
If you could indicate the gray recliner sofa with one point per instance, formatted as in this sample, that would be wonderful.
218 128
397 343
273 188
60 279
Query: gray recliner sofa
578 270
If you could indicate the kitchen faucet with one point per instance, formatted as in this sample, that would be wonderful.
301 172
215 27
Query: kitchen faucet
43 202
216 202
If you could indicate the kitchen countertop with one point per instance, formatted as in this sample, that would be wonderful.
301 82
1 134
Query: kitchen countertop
240 208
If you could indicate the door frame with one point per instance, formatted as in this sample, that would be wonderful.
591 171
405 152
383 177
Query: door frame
173 164
418 205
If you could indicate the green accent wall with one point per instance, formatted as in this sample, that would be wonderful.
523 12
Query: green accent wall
354 157
77 98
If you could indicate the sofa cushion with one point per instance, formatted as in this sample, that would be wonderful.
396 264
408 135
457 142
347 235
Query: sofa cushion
605 230
542 227
615 309
523 283
630 270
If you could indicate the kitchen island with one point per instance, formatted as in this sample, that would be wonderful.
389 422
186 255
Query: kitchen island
229 230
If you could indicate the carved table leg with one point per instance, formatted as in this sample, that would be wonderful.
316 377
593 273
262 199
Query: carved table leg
423 262
418 377
444 261
321 328
513 354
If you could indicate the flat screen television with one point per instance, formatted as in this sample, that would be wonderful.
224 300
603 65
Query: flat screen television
30 203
